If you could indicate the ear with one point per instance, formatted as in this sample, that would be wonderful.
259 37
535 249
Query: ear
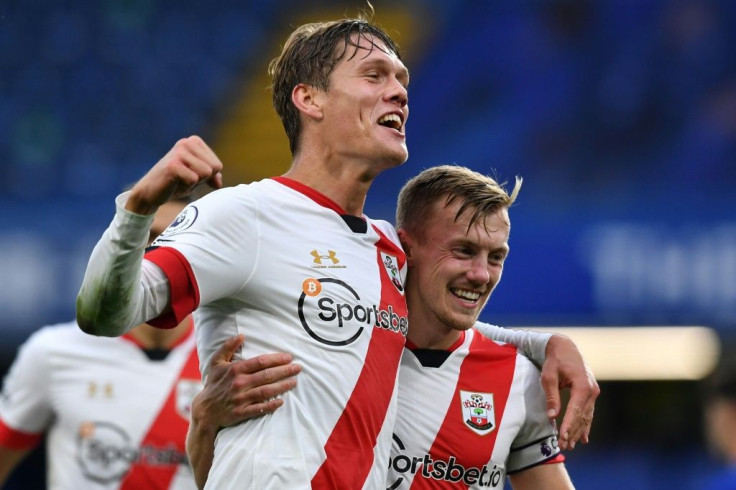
407 243
308 100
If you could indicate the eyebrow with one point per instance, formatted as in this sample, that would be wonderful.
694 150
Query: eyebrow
402 74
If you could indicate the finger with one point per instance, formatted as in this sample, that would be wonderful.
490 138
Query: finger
262 362
204 154
216 181
227 350
268 392
550 384
255 410
265 379
574 422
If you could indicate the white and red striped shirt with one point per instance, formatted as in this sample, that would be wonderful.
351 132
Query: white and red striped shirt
469 417
279 263
116 419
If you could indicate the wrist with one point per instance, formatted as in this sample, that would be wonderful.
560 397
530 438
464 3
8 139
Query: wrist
136 204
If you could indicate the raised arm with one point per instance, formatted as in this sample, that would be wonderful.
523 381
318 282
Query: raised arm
562 366
117 293
233 393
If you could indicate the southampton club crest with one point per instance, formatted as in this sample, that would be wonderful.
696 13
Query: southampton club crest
478 412
392 269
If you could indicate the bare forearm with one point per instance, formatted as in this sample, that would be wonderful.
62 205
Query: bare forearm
200 446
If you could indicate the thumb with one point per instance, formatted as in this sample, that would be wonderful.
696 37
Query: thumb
227 350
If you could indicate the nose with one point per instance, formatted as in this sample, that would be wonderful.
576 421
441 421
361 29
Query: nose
479 272
398 93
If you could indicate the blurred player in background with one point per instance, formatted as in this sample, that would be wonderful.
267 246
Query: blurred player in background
292 263
116 410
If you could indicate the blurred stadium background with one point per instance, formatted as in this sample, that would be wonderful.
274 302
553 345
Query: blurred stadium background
619 114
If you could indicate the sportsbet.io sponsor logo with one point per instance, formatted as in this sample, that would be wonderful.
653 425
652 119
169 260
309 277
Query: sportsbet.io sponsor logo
426 468
331 312
105 452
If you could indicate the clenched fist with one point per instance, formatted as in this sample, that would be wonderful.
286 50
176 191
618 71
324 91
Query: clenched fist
188 164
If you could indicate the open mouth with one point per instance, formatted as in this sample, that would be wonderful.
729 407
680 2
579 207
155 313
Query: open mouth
392 121
466 295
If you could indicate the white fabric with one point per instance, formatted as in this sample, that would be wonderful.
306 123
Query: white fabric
254 251
532 344
432 419
97 398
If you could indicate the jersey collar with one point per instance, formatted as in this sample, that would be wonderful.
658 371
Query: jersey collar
315 196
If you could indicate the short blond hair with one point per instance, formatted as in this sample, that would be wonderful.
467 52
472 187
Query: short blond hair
480 194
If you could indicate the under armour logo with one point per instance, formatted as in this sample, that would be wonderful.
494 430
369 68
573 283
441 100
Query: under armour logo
331 255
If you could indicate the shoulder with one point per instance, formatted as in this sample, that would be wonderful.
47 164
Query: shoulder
385 227
63 337
50 335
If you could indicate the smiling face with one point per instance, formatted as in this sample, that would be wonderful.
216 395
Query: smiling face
365 107
453 268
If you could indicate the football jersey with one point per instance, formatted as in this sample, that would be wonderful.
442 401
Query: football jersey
280 263
115 418
470 418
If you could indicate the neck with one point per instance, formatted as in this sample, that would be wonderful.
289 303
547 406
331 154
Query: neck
430 338
160 338
344 181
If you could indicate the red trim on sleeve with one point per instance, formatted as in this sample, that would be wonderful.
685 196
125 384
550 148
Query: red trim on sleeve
183 287
15 439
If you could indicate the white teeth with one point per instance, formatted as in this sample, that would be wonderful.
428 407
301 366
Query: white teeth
391 119
469 295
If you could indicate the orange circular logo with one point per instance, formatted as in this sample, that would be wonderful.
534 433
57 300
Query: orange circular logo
311 287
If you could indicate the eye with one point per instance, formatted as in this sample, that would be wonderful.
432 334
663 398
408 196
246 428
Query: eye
464 251
497 258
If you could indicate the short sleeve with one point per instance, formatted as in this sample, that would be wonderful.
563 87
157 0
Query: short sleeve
215 245
25 402
536 442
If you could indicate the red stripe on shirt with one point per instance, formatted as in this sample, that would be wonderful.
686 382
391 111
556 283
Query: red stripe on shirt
184 292
167 437
18 440
489 368
349 448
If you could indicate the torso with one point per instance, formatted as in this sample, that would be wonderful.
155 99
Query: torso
310 285
115 418
458 422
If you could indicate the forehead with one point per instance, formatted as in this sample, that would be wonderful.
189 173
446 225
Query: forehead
443 224
366 48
